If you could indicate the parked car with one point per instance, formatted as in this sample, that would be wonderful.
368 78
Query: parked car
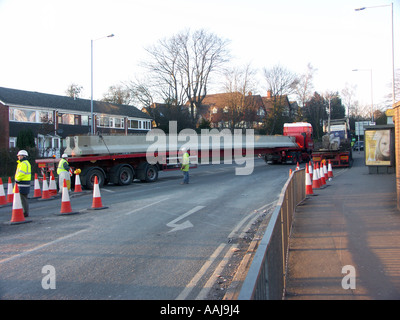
359 145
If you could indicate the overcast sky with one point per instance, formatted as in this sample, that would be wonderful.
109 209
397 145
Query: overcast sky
45 44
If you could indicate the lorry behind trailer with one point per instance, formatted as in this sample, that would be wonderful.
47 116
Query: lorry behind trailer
336 144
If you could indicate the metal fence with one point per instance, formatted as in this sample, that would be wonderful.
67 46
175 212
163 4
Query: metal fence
266 277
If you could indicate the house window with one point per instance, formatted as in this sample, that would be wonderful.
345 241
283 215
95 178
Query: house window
13 142
110 122
214 110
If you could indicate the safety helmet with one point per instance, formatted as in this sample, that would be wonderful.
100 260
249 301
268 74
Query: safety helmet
22 153
64 155
183 149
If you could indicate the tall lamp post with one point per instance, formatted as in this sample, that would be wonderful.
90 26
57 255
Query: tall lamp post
393 76
372 95
92 123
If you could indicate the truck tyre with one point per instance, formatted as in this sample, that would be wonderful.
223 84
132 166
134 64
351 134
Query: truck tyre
150 173
90 176
124 176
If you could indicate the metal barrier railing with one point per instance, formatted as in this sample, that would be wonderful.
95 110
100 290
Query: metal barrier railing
266 277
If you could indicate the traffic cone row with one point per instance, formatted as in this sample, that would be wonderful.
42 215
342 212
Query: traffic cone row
66 209
321 175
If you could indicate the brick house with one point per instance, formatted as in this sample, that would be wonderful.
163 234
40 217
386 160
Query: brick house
227 110
52 118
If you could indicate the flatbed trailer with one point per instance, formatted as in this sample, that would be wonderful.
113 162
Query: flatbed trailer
336 157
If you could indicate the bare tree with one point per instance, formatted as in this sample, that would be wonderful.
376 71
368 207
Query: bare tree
348 94
304 86
74 90
280 82
241 110
141 93
181 66
117 94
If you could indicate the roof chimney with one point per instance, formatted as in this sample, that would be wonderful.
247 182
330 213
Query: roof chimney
269 94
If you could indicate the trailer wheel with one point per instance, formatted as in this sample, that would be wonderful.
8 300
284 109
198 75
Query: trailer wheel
150 173
125 176
91 176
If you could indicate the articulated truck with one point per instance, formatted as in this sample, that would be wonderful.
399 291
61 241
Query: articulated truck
121 159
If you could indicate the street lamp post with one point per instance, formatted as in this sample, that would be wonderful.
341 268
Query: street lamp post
372 95
393 72
92 123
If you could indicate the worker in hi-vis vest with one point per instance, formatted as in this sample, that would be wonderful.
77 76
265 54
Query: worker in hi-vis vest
23 179
63 172
185 165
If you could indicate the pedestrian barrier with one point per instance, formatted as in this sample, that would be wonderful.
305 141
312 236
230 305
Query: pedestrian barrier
266 277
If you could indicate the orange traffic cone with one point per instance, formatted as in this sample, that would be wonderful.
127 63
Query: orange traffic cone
17 210
316 183
290 172
309 190
325 172
10 192
330 172
65 202
298 166
310 170
45 193
36 190
3 199
52 185
322 175
96 204
78 187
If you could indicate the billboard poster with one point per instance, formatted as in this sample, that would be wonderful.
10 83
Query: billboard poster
377 147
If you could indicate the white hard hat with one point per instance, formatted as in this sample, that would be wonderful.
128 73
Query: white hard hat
183 149
22 153
64 155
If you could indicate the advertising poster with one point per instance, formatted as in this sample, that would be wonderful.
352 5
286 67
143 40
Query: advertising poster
377 148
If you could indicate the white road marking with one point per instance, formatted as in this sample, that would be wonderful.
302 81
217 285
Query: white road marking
192 284
144 207
186 224
41 246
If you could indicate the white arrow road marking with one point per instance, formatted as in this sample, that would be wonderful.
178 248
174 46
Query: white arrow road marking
186 224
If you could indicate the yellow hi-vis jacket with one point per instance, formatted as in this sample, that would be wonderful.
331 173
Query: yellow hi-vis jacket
63 165
185 162
23 176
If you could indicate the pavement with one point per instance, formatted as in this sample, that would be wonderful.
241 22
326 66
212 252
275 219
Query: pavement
345 242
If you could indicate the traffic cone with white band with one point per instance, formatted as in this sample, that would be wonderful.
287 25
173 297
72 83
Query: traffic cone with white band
65 202
17 216
97 204
52 185
330 172
10 192
309 190
3 199
37 193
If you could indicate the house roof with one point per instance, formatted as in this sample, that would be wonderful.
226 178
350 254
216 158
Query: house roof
36 99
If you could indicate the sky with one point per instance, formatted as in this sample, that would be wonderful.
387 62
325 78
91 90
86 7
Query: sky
45 45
